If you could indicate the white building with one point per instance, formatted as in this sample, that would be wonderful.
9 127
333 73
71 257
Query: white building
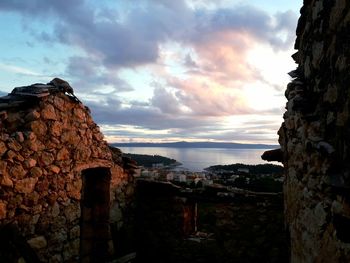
180 177
137 172
170 176
183 178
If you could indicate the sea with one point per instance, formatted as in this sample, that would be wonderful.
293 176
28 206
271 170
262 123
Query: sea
197 159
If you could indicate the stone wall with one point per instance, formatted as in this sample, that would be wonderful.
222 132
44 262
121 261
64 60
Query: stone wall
251 229
315 135
123 210
178 226
163 220
49 147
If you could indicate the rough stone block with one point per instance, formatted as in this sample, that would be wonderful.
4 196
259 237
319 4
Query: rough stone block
17 171
26 185
3 210
37 242
48 113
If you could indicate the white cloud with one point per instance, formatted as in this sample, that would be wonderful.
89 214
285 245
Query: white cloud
19 70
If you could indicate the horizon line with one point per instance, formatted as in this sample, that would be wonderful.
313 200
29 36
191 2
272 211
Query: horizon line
192 142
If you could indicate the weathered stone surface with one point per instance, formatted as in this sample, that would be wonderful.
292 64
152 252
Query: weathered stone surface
35 145
98 136
3 115
80 114
29 163
31 199
36 172
11 155
59 103
56 128
314 142
74 189
336 13
57 258
116 213
72 212
14 118
3 166
82 153
129 190
63 154
6 181
17 171
55 208
47 158
71 250
39 128
317 53
14 145
19 137
58 223
55 169
74 233
343 117
37 242
57 240
2 210
32 116
30 135
48 113
331 95
3 148
26 185
70 137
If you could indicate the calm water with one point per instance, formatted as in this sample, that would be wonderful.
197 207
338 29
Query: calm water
196 159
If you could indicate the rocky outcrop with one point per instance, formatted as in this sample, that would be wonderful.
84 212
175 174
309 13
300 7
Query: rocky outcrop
50 150
315 135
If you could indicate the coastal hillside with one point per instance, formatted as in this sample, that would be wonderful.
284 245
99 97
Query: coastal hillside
150 160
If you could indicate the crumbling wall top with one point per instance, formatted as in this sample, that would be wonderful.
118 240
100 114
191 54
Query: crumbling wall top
21 95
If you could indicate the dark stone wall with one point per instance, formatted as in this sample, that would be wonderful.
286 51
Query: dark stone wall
163 220
315 135
241 228
251 230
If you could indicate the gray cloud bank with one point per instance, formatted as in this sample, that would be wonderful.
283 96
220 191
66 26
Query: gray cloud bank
112 38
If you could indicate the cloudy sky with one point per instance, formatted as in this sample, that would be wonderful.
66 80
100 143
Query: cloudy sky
159 70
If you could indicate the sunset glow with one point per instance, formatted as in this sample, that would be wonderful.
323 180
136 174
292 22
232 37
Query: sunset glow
159 70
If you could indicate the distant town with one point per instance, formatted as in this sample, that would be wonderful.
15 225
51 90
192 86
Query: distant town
257 178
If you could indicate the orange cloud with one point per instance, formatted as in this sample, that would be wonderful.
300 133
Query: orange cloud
205 97
214 71
223 57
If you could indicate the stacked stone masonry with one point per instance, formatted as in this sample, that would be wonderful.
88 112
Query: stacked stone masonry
47 140
315 135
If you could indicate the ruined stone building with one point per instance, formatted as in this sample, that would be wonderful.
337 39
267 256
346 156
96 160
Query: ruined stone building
59 179
66 196
315 135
